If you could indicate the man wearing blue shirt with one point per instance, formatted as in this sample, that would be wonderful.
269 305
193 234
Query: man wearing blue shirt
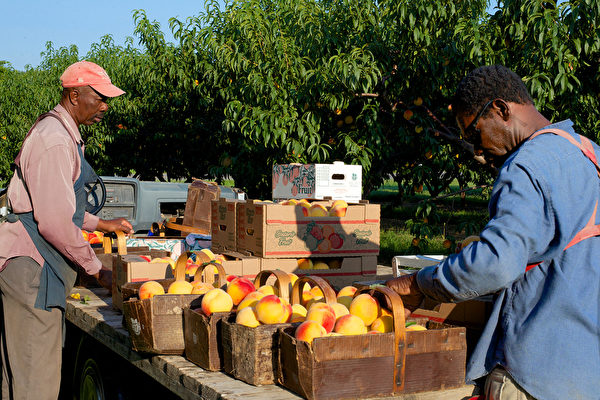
539 253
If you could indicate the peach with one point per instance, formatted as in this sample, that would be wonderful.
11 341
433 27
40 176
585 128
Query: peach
201 287
293 278
341 203
305 207
324 316
216 300
313 301
180 287
288 312
383 324
250 300
345 295
335 263
320 265
384 311
350 325
150 289
146 258
190 269
317 210
307 297
305 263
268 289
308 330
290 202
239 288
337 211
247 317
269 310
298 313
317 292
209 254
365 307
340 310
416 327
230 278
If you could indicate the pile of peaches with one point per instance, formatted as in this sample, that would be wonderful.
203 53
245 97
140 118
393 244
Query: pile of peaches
316 209
93 237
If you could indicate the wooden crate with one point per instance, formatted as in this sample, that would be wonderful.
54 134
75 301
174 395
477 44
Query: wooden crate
155 325
252 354
202 333
371 365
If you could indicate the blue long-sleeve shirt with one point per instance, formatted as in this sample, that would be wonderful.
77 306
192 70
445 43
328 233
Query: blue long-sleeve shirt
545 323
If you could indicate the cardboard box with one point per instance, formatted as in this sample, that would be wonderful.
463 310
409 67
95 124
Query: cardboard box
270 230
223 224
198 207
133 268
317 181
240 264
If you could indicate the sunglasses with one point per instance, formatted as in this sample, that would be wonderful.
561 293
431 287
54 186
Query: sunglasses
471 133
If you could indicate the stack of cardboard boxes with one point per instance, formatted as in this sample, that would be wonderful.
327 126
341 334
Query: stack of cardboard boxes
259 235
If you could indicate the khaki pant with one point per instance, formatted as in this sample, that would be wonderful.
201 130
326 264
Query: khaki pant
499 385
30 338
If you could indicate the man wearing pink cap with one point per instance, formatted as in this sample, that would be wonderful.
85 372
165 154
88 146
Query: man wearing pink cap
40 240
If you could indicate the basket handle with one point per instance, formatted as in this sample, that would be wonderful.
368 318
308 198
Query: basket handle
395 302
314 280
180 265
282 281
121 243
199 275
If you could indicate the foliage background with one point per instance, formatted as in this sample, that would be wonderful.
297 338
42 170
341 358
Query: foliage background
368 82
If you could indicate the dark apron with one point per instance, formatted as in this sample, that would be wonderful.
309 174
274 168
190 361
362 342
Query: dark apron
58 273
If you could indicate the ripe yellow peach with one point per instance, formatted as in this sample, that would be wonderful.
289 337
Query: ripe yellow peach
320 265
345 295
201 287
317 210
305 263
317 292
247 317
287 316
239 288
289 202
180 287
340 310
383 324
250 300
416 327
298 313
322 315
305 207
269 310
216 300
308 330
268 289
365 307
350 325
150 289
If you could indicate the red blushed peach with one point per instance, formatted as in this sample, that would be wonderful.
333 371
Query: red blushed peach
191 269
307 296
269 310
305 207
338 208
247 317
230 278
239 288
288 313
350 325
365 307
308 330
250 300
345 295
150 289
180 287
216 300
325 317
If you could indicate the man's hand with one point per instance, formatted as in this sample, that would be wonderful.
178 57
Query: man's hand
113 225
406 286
104 277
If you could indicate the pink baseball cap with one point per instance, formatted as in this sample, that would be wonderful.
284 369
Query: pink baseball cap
86 73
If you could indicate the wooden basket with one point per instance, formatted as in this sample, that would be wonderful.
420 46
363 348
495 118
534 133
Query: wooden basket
252 354
202 334
371 365
155 325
